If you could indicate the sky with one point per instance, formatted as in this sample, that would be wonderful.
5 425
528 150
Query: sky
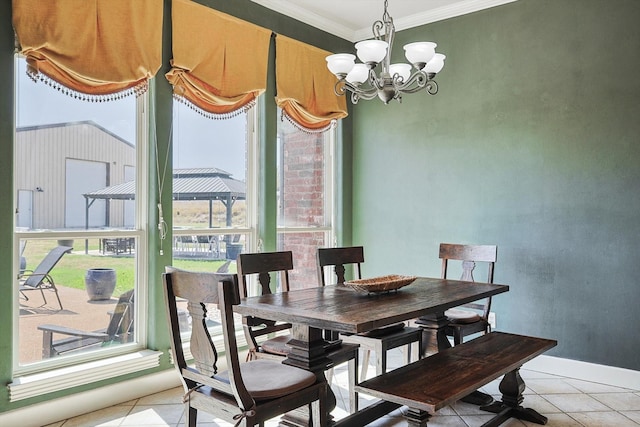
198 141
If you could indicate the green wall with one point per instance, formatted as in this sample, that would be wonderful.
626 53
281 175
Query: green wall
532 144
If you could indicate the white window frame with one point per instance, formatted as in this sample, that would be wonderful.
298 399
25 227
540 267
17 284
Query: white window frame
56 374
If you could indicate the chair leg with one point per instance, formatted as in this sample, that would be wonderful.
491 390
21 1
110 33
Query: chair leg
381 361
191 415
408 353
58 297
352 372
457 336
43 297
365 364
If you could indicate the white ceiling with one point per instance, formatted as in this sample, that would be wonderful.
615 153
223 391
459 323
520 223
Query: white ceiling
352 19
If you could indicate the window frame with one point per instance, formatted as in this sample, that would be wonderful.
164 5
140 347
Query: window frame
99 357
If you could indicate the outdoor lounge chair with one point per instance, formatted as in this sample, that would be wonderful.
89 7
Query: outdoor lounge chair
40 278
119 330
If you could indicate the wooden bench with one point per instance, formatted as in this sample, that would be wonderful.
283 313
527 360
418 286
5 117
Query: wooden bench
439 380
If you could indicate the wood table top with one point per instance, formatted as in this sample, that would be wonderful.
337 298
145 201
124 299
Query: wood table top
343 309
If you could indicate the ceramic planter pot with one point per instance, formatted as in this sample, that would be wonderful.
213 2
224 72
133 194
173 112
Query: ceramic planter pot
100 283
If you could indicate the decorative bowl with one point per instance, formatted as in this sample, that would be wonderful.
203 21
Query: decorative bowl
380 284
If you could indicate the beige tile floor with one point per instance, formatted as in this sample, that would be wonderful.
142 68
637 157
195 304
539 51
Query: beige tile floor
565 401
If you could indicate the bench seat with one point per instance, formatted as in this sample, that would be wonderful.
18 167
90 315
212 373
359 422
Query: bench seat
443 378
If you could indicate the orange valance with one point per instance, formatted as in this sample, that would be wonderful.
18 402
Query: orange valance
306 86
94 47
219 62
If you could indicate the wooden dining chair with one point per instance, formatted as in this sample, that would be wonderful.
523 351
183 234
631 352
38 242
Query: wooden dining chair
471 318
245 393
379 340
260 333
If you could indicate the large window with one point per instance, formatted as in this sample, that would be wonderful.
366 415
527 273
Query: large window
213 202
79 168
305 195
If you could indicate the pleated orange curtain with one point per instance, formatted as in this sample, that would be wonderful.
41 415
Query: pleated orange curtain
91 47
306 86
219 62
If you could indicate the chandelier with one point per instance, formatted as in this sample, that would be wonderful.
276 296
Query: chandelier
394 80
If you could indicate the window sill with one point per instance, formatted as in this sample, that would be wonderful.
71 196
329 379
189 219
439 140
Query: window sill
34 385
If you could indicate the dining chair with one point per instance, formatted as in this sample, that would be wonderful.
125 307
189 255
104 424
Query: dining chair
470 318
260 333
245 393
379 340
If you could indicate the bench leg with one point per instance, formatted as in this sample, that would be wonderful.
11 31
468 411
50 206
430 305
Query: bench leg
512 386
417 417
434 339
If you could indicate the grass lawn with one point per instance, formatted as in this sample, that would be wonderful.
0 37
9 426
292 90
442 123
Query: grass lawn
71 269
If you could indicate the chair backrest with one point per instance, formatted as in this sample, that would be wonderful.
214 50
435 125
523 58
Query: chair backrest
263 264
46 265
338 258
120 326
469 255
202 292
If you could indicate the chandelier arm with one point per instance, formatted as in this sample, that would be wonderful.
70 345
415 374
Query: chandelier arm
367 93
414 83
431 87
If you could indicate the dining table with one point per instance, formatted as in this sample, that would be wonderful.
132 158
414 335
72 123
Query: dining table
351 311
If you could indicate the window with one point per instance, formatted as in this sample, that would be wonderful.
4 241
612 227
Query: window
79 166
213 189
305 195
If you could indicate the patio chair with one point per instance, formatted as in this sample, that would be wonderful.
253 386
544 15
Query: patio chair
40 279
244 393
119 330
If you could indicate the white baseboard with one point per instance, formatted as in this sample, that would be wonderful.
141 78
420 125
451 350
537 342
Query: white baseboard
610 375
92 400
80 403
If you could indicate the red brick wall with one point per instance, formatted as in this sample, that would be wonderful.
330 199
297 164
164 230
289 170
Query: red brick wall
302 199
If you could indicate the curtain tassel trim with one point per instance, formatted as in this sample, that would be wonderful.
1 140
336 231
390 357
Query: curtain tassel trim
136 90
298 126
211 115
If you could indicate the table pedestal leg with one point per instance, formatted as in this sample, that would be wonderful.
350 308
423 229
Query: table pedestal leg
434 339
308 353
512 386
417 417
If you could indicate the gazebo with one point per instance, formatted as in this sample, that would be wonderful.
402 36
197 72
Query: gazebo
188 184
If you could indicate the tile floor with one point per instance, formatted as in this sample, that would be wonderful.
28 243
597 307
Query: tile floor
566 402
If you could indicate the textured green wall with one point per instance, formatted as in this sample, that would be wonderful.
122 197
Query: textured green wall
532 144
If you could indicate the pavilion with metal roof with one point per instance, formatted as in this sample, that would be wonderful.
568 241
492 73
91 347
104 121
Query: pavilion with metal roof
188 184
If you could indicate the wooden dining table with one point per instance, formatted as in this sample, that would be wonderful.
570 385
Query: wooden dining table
342 309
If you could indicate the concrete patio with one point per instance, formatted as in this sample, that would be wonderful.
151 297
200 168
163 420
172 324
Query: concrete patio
78 313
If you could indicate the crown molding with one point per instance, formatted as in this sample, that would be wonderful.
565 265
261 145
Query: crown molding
429 16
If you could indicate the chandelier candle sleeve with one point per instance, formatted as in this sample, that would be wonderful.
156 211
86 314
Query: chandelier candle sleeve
376 76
